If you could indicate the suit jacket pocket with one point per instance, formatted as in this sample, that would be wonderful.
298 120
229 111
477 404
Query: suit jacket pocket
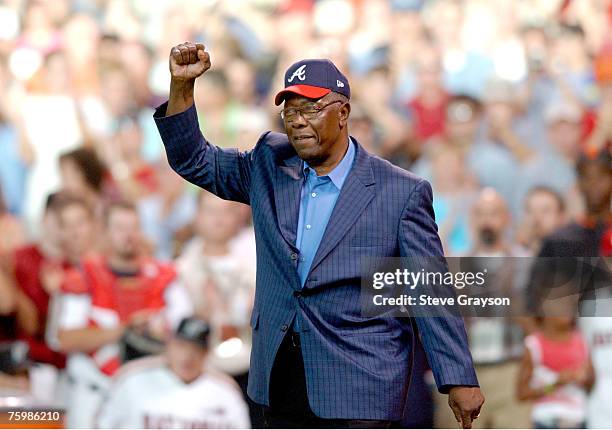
368 240
368 331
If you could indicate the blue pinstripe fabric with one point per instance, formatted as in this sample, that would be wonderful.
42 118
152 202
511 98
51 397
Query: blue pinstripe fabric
356 367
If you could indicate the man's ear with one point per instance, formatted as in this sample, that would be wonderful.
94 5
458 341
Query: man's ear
344 113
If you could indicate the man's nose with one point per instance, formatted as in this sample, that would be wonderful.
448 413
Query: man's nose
299 121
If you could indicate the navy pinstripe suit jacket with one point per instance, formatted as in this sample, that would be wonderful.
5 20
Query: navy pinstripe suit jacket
356 367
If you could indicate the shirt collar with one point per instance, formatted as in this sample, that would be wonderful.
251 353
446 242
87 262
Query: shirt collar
340 172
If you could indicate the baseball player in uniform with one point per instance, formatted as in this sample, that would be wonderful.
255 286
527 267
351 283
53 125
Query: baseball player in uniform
175 390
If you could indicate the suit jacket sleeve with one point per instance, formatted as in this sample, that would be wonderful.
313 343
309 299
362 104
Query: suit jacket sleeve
224 172
443 337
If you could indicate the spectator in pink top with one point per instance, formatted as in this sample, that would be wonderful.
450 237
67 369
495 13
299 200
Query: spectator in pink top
556 372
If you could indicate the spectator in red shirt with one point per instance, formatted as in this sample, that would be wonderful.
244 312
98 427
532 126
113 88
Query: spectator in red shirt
428 107
39 268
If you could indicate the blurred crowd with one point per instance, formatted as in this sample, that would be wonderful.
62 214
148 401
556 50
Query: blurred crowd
505 106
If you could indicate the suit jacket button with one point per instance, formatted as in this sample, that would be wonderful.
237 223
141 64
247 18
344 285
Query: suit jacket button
285 327
294 256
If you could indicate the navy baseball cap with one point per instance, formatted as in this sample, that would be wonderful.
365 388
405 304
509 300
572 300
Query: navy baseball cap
313 79
194 330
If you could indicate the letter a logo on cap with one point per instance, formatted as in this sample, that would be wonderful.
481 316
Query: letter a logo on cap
300 73
339 83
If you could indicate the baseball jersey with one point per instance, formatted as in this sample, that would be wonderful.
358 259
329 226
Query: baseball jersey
147 394
102 299
598 334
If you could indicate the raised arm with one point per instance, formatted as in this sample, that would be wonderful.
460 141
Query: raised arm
224 172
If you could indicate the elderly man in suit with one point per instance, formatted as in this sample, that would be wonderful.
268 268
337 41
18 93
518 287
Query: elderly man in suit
320 203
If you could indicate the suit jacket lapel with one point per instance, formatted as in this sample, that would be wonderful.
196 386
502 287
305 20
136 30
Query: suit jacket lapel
355 195
287 193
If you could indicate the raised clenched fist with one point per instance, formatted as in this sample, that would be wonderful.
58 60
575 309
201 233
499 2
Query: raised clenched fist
188 61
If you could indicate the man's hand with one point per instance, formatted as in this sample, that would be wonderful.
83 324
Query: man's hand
465 403
188 61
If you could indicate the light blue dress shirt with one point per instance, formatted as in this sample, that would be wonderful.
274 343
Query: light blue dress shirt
319 195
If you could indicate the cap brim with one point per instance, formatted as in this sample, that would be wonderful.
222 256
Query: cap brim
307 91
199 342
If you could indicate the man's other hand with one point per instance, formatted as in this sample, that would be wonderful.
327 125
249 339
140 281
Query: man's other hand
465 403
188 61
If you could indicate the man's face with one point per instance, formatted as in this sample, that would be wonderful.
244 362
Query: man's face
72 178
596 184
462 121
123 233
490 217
115 85
315 139
185 358
130 140
544 213
429 76
76 230
565 137
462 132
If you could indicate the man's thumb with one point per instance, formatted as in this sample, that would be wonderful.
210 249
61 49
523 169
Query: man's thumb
466 420
456 412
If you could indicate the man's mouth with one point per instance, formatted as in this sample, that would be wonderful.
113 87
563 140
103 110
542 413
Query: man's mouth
302 138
